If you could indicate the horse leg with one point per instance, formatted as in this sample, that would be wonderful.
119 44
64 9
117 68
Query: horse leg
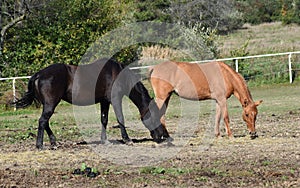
163 110
104 119
162 104
51 136
217 120
224 110
48 111
117 106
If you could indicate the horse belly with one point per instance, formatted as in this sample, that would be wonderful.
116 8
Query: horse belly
192 91
83 95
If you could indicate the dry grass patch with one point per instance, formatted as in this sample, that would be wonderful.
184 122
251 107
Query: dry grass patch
264 38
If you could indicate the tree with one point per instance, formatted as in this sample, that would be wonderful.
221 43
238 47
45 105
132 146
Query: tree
59 31
152 10
290 11
259 11
221 15
62 30
14 12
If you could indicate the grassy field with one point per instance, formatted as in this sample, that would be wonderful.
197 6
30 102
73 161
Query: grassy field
270 160
262 39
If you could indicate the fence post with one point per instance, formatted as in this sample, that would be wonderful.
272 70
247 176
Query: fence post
236 65
14 93
290 68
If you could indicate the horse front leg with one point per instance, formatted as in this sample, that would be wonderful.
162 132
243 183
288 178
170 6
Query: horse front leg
104 120
217 120
224 110
117 106
162 105
44 124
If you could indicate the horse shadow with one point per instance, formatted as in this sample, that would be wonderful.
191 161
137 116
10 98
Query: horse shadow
116 141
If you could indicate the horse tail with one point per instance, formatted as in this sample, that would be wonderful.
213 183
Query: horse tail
29 96
150 70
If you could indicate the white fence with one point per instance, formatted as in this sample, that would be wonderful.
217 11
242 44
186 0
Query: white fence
236 59
14 83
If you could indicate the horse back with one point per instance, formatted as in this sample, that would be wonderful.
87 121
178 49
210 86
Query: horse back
185 79
92 83
191 80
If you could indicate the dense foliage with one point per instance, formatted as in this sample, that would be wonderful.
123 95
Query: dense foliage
259 11
43 32
60 31
55 31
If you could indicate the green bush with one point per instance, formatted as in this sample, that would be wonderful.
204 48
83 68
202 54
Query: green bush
259 11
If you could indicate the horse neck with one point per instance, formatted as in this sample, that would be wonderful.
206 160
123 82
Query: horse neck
141 99
240 89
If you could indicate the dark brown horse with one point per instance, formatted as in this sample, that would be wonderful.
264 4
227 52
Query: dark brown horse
104 82
214 80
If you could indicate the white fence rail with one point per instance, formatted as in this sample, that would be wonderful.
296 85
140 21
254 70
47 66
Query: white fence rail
14 83
236 59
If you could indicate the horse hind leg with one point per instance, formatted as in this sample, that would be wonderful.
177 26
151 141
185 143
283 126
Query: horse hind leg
44 125
104 120
51 136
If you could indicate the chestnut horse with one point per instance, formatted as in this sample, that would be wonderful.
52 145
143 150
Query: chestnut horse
214 80
104 82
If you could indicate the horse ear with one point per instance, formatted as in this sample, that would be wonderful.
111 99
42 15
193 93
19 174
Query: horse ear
258 102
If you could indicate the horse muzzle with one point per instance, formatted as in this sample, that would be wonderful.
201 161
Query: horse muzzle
253 135
159 137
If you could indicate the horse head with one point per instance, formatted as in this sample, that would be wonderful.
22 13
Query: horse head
249 115
151 119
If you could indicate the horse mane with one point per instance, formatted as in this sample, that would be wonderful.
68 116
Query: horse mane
238 77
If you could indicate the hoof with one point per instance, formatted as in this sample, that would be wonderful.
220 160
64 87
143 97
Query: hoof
40 147
165 140
253 135
53 147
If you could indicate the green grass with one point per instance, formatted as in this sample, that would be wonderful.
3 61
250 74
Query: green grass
191 168
22 124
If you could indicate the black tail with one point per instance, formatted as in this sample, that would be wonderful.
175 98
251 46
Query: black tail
29 96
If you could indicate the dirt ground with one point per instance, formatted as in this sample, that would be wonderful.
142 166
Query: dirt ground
271 160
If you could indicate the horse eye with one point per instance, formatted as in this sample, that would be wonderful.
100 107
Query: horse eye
247 115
